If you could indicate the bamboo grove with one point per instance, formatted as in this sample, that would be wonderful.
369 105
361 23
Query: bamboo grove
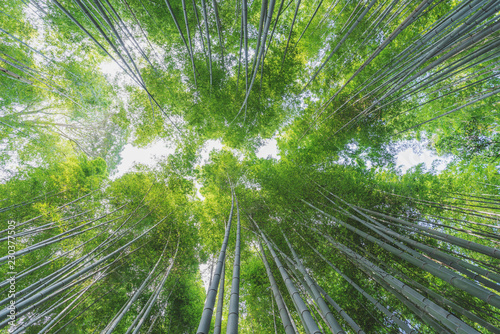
332 236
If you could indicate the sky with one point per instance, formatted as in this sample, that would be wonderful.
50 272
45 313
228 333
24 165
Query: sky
160 149
268 149
148 156
417 154
110 68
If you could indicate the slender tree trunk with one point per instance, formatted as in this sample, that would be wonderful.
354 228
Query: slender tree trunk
206 317
285 319
309 322
449 320
234 304
315 294
220 303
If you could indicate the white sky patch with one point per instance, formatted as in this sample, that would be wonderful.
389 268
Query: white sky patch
418 154
269 149
113 71
198 187
208 147
148 156
205 271
204 157
110 68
